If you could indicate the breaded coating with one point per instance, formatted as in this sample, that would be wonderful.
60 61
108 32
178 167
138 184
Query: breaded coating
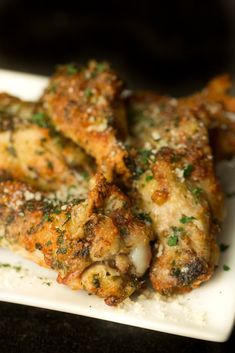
85 105
176 186
98 245
32 151
213 105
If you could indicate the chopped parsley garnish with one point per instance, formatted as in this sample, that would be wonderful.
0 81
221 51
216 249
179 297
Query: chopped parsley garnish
123 231
60 239
174 237
40 119
85 175
39 152
100 67
197 191
175 272
230 194
11 150
71 188
223 247
186 219
50 165
145 217
144 156
62 251
226 268
96 281
38 246
17 268
48 243
172 240
68 214
72 69
47 218
187 171
47 283
149 177
88 93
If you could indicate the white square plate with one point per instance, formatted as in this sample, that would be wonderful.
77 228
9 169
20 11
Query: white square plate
206 313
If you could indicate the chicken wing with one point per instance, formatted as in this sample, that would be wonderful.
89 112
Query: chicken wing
98 245
32 151
213 105
176 185
85 105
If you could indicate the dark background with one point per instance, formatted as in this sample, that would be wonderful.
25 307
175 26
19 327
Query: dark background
174 46
171 46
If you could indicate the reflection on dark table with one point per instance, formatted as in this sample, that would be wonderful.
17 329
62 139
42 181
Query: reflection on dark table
174 47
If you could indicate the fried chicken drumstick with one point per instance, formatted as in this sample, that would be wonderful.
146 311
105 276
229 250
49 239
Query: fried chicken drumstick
99 240
176 184
98 245
85 105
32 151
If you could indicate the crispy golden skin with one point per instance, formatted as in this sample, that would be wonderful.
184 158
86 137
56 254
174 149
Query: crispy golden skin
31 150
216 107
102 244
176 184
213 105
85 105
97 245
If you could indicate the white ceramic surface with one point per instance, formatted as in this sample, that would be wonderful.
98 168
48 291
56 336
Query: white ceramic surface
206 313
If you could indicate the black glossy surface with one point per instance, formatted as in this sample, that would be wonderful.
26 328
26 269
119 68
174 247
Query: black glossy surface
174 46
31 330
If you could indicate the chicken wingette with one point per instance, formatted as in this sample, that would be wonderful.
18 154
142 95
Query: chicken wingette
85 104
216 107
98 245
213 105
31 150
174 181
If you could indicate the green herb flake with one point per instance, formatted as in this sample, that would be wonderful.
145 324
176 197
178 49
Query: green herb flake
47 283
230 195
72 69
88 93
123 231
11 150
100 67
172 240
174 237
85 175
60 239
226 268
47 218
149 177
50 165
145 217
40 119
187 171
96 281
39 152
186 219
38 246
62 251
48 243
68 215
197 191
223 247
175 272
17 268
144 156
